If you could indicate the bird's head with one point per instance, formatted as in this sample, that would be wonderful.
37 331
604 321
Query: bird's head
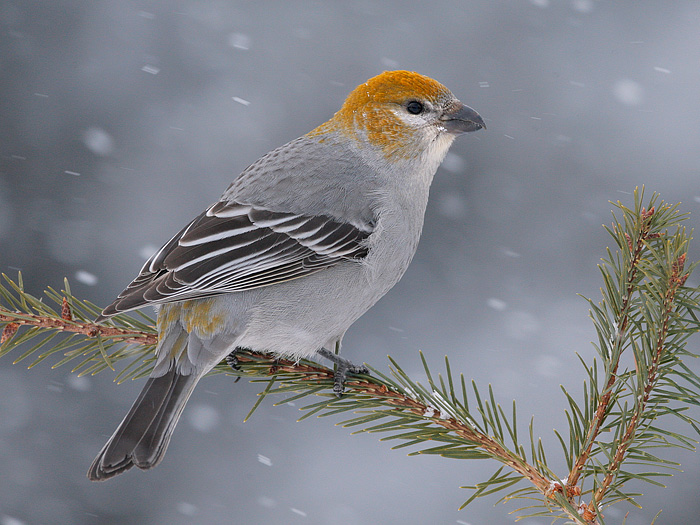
403 114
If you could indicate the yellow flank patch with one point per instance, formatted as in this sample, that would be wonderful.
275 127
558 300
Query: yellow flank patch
194 315
197 315
167 315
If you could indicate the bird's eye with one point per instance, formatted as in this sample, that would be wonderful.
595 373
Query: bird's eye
414 107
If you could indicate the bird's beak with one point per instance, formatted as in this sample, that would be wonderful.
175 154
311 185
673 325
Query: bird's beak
461 119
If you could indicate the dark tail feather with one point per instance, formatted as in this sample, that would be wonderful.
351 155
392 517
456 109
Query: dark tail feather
143 436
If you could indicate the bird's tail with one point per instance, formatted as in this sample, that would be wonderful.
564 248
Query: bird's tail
143 436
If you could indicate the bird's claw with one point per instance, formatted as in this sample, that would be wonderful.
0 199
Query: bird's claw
232 361
343 367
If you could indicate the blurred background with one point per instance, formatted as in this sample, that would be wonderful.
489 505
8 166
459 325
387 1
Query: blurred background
122 120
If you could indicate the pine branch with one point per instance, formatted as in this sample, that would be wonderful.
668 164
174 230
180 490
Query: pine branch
66 324
411 413
646 309
676 280
27 318
621 321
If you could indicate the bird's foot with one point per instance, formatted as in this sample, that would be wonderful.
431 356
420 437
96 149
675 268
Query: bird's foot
232 360
343 367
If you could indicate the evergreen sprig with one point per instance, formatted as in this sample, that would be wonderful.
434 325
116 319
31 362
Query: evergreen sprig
616 431
648 312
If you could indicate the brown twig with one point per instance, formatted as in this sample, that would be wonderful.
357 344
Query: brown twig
403 402
622 323
65 324
377 389
676 280
311 373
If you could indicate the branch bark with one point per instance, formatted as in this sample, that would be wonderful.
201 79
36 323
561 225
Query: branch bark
622 323
15 320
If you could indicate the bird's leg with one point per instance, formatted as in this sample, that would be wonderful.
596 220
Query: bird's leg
232 360
343 366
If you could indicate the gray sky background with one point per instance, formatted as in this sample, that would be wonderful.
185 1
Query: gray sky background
122 120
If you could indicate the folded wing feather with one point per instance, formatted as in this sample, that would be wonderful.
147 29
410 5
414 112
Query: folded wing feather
233 247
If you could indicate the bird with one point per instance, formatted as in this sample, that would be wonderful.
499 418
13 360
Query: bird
300 245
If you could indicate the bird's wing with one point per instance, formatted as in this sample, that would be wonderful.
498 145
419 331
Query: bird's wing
233 247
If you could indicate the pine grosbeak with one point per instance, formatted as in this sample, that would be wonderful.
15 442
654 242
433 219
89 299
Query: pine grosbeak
299 246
